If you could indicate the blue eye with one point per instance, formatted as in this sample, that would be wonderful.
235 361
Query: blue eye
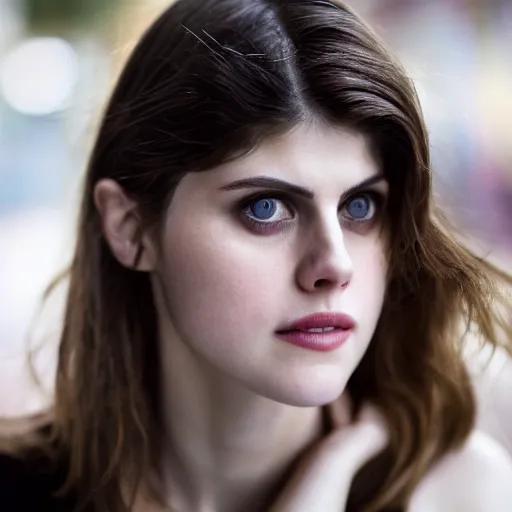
267 214
360 208
263 209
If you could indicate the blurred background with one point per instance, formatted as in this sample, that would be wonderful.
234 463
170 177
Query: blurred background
58 62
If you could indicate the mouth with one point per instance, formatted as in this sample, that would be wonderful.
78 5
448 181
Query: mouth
320 323
320 332
315 339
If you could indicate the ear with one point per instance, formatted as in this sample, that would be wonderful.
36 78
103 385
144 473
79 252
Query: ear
123 228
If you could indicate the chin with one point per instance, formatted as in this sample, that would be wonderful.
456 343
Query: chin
305 392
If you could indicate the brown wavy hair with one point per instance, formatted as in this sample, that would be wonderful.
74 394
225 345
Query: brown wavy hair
207 83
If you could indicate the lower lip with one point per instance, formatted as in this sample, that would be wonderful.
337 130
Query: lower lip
318 341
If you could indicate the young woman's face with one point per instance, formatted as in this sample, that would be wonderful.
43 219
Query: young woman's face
257 244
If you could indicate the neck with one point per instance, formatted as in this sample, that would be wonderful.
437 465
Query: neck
226 446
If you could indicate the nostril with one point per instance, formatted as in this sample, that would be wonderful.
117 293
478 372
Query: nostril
322 283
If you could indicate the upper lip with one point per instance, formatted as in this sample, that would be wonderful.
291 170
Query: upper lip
321 320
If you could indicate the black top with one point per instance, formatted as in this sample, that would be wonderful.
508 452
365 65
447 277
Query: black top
29 486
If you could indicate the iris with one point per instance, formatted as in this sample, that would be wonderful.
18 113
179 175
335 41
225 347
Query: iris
359 207
263 209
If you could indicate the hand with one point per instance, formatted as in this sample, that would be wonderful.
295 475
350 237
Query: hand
322 480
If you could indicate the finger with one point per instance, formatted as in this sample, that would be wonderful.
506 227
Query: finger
371 426
340 411
320 482
361 440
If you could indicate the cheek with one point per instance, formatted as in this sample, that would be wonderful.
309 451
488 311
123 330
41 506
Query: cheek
369 278
219 283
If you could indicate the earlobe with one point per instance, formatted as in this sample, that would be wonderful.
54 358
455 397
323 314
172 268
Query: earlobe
122 226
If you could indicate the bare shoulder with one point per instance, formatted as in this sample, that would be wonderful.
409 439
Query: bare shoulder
476 478
491 374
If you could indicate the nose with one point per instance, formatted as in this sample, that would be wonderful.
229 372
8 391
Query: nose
326 263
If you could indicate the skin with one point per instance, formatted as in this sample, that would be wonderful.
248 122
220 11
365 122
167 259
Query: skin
239 403
250 401
492 381
475 478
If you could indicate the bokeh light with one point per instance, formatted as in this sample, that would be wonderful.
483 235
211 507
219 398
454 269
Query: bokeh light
39 76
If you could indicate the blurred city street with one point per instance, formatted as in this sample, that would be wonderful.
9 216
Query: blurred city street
59 60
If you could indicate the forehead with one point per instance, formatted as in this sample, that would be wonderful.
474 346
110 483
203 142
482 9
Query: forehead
314 156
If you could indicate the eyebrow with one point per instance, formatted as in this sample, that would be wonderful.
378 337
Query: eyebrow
285 186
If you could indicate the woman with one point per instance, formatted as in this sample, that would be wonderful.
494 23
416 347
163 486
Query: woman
265 311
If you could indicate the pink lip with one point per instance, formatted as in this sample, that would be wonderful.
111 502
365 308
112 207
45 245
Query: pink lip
321 320
296 333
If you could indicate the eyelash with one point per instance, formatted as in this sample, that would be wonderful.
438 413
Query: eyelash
375 197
